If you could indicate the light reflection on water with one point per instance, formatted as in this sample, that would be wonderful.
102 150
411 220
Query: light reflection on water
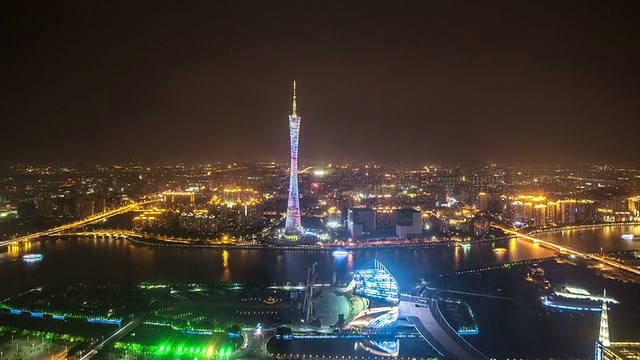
117 260
609 238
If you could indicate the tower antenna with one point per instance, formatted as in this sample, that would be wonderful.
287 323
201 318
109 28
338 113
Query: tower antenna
295 106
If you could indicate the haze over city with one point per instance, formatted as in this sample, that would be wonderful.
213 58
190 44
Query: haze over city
411 83
320 180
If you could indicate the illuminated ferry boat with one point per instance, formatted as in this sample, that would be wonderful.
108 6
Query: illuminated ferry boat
340 253
563 303
628 237
32 257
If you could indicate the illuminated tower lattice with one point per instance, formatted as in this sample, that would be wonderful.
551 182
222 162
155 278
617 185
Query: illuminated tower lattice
603 338
293 228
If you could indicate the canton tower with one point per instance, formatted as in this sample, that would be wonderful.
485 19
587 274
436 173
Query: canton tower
293 228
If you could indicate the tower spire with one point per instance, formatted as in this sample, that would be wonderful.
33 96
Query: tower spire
295 106
603 338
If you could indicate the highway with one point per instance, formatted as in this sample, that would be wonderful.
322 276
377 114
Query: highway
436 331
117 335
569 250
76 224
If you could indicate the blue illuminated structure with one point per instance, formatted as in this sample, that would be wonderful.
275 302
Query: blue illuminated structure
570 304
376 283
293 226
389 347
468 331
105 321
386 320
384 348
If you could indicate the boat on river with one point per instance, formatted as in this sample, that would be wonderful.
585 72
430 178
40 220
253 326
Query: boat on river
32 257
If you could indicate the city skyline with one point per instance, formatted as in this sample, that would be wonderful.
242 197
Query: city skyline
425 83
467 175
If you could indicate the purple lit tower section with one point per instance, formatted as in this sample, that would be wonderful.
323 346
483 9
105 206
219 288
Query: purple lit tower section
293 227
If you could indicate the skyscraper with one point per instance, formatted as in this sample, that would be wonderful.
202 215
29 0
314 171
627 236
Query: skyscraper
293 228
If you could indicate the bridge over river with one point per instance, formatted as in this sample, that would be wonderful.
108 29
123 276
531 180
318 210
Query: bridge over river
569 250
74 225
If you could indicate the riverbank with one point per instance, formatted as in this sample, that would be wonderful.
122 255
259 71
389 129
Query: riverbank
582 227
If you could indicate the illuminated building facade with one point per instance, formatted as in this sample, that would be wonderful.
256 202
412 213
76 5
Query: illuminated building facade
236 194
409 222
199 221
572 211
483 201
293 226
376 283
237 215
540 217
361 221
179 200
151 219
85 206
633 204
334 217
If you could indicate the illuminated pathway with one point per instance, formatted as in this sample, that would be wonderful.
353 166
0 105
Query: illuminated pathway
569 250
77 224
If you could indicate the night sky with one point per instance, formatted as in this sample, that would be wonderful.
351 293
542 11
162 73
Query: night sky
395 82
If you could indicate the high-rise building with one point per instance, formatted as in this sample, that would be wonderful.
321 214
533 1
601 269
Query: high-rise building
45 206
361 221
633 205
85 206
540 216
182 201
293 226
572 211
409 223
483 201
552 213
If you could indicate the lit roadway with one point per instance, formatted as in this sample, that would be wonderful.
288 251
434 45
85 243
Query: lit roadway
569 250
117 335
77 224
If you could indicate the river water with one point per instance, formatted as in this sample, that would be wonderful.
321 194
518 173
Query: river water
118 260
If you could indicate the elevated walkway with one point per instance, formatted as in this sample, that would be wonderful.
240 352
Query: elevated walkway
425 316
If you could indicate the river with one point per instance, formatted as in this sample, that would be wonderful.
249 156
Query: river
118 260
